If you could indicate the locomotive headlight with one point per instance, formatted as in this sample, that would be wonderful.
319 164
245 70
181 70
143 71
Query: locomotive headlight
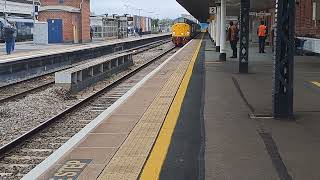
188 33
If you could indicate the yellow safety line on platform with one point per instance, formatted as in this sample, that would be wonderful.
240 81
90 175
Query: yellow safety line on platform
152 168
316 83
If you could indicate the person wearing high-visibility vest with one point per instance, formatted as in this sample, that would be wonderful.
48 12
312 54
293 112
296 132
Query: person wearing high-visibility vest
262 34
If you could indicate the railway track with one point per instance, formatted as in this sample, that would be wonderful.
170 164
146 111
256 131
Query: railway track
24 153
22 88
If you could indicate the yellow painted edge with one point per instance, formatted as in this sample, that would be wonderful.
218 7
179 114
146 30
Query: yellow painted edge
152 168
316 83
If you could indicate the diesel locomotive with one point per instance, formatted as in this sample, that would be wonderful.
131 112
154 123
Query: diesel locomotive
183 30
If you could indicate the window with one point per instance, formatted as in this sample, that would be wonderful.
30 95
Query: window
316 10
61 1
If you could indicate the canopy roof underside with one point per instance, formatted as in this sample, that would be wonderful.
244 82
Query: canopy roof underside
200 8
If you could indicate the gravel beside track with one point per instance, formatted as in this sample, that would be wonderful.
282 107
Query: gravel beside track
21 116
12 90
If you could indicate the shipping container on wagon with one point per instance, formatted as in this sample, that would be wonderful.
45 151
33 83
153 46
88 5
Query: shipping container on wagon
136 21
146 24
143 24
150 25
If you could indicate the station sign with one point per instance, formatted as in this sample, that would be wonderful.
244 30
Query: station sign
231 18
263 14
212 10
259 14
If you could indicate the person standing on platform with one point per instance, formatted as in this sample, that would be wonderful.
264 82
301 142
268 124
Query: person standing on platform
233 37
140 32
91 33
262 34
8 32
136 31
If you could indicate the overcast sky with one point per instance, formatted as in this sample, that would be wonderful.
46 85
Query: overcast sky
150 8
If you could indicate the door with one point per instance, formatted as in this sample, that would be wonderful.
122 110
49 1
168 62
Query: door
55 31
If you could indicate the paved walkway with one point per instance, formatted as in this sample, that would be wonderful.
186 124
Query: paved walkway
215 137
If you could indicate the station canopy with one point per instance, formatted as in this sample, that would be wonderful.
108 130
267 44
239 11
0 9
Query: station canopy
200 8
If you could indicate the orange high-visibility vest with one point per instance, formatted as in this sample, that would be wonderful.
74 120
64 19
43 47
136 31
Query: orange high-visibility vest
262 31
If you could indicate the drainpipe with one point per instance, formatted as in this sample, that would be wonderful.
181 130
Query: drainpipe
218 28
80 28
223 55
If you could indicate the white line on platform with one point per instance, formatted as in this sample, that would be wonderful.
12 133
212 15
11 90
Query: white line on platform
76 139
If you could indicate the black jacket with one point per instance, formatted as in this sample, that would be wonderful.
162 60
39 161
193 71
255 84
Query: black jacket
8 32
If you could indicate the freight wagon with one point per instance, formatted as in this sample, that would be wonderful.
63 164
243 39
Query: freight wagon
142 22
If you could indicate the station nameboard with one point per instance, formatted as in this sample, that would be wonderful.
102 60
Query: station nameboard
259 14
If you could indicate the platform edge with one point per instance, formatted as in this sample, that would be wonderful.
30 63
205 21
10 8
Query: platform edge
71 143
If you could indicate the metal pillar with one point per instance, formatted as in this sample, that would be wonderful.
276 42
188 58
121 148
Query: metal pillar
218 28
244 36
284 59
223 55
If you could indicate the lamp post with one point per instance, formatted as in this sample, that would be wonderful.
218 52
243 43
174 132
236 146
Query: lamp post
158 17
33 16
139 17
34 12
5 10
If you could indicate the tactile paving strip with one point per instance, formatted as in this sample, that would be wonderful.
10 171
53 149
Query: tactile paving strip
131 156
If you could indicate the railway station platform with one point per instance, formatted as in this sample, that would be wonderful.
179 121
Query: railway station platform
35 60
195 117
28 49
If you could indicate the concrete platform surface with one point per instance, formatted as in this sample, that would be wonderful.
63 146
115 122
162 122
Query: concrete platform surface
216 139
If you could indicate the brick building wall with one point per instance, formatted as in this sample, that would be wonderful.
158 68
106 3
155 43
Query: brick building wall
75 24
69 21
305 26
85 21
73 3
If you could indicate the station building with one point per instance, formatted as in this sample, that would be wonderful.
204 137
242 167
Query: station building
68 20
